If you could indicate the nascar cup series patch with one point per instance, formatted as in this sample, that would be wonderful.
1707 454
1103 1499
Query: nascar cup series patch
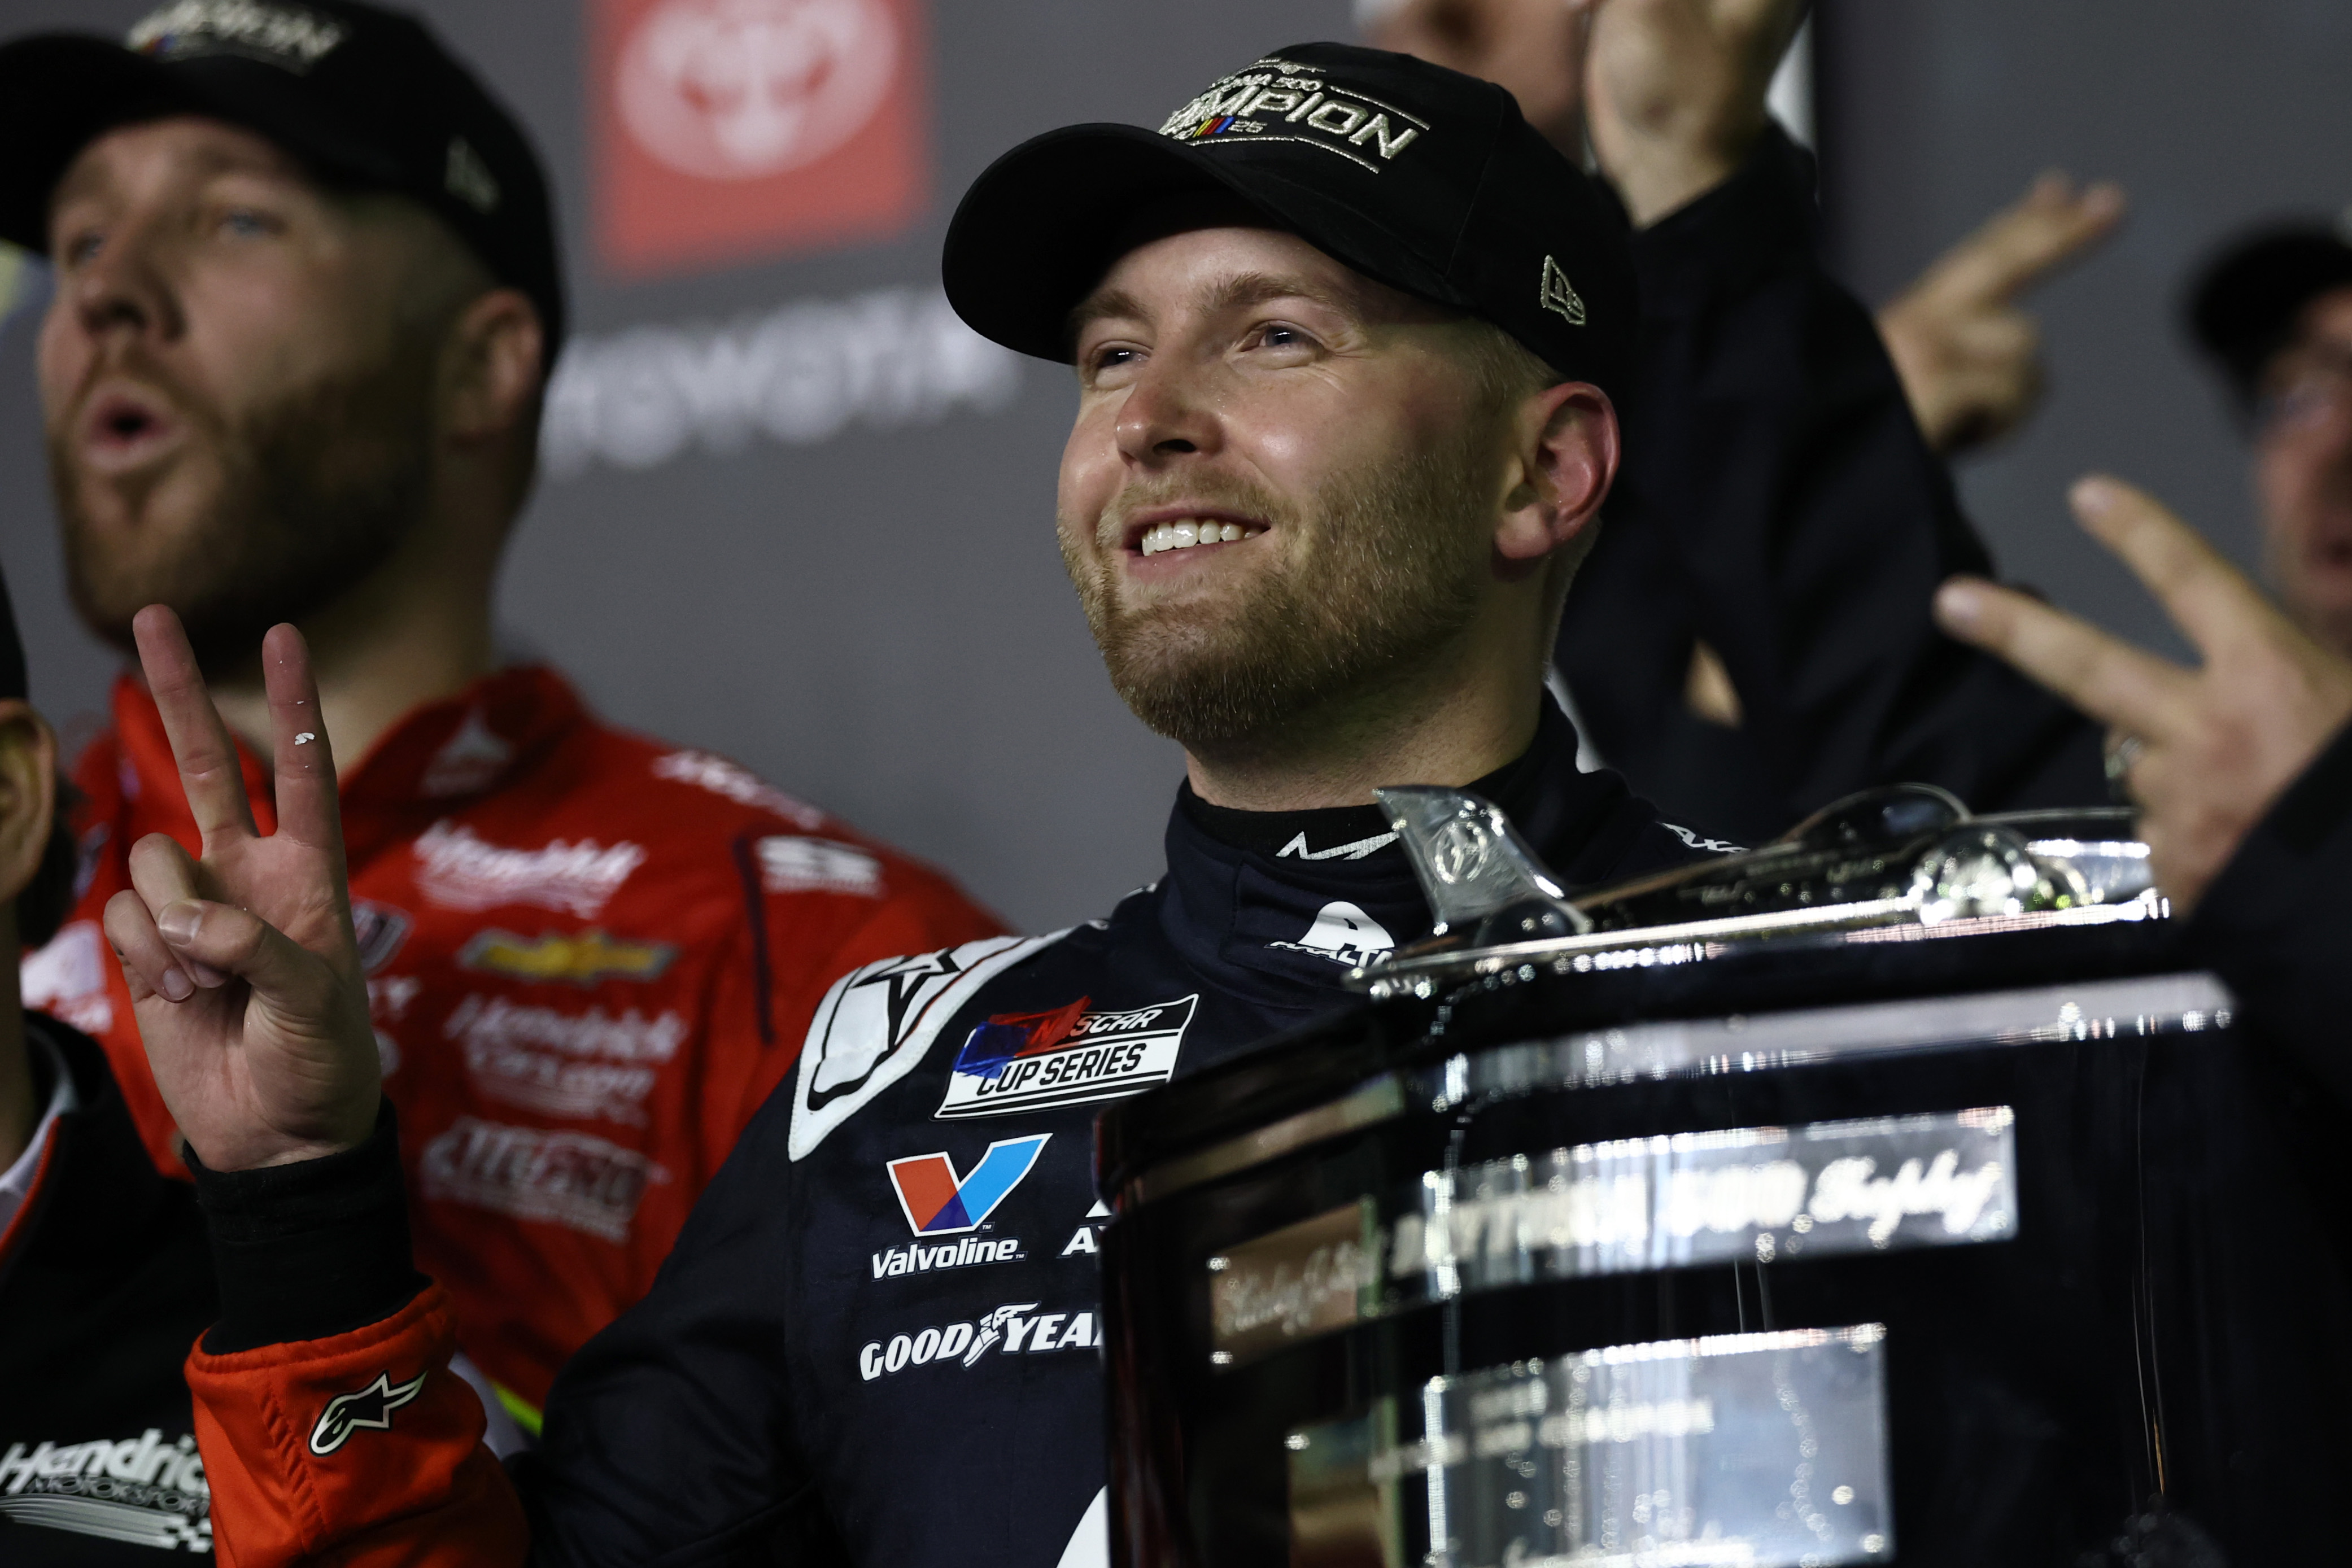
1069 1056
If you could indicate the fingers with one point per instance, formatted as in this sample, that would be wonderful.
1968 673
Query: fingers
2021 245
2207 597
163 874
200 741
149 966
237 942
2105 677
307 810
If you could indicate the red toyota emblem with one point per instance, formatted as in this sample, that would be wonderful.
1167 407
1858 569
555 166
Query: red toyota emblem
731 130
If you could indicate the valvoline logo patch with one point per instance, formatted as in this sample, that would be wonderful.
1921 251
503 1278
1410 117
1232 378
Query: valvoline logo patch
938 1202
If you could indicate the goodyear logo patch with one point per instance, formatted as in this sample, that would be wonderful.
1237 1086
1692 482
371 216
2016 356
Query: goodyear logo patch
1283 100
581 958
1070 1056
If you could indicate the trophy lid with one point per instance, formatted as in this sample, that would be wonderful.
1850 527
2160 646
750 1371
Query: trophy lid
1907 855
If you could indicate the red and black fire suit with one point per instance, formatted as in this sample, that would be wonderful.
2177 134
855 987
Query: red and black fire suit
590 956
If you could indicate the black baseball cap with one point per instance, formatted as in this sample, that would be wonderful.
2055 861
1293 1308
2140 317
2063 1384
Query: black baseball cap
2245 302
362 95
1420 177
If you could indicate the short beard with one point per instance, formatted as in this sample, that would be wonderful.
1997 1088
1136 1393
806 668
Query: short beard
318 489
1391 575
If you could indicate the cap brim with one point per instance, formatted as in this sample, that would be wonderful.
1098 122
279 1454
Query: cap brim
60 92
1041 226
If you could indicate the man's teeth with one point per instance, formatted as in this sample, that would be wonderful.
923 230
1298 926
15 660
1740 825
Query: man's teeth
1186 534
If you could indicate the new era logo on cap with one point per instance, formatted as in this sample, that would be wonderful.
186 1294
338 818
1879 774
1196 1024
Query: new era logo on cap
938 1202
1556 294
290 36
468 178
1283 100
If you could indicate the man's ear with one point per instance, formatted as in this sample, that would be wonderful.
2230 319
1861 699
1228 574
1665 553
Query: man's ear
495 362
1566 458
28 793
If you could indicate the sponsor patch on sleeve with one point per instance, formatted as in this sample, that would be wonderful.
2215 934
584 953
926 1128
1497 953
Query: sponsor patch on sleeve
1070 1056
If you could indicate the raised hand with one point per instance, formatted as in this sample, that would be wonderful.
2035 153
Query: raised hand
241 963
2205 752
1675 92
1970 358
1533 47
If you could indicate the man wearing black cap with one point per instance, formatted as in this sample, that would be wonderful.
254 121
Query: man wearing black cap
104 1280
2274 310
307 293
1344 329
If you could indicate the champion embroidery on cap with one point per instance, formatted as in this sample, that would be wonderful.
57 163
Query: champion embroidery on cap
290 36
1283 100
469 179
1555 293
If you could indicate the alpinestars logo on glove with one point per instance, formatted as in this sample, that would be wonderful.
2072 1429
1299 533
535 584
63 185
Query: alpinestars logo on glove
370 1408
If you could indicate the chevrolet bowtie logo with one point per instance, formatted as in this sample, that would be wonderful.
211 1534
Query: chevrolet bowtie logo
583 958
370 1408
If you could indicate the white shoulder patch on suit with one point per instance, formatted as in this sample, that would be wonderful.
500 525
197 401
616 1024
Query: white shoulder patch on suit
877 1023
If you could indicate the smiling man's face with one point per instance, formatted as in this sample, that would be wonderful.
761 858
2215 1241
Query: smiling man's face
237 373
1281 485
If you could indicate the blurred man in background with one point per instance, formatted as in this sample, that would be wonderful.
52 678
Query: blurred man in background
307 295
104 1276
2274 310
1751 637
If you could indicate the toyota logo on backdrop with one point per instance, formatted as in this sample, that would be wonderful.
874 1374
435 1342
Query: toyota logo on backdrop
734 130
736 89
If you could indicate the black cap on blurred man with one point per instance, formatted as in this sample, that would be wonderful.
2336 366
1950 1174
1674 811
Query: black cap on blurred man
361 95
2274 310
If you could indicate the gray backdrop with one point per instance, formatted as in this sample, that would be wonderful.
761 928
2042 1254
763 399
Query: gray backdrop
854 588
1937 111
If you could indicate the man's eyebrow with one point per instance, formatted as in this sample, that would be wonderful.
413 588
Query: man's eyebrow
206 162
1236 293
1102 305
1245 289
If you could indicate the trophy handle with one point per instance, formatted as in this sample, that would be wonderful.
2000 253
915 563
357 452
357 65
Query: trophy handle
1480 877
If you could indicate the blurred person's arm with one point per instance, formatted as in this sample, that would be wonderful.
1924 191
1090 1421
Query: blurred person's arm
1772 455
1970 358
2242 767
1674 93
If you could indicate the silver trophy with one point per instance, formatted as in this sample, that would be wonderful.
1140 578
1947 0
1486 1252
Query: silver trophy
1905 856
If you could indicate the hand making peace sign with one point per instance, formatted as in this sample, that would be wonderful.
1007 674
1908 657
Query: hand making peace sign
2205 752
241 963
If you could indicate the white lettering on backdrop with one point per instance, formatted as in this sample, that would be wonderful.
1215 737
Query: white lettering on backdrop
799 374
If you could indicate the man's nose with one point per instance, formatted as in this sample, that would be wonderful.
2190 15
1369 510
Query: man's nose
122 286
1169 411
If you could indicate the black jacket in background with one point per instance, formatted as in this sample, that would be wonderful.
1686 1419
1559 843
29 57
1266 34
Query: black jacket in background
2277 925
106 1282
1777 501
